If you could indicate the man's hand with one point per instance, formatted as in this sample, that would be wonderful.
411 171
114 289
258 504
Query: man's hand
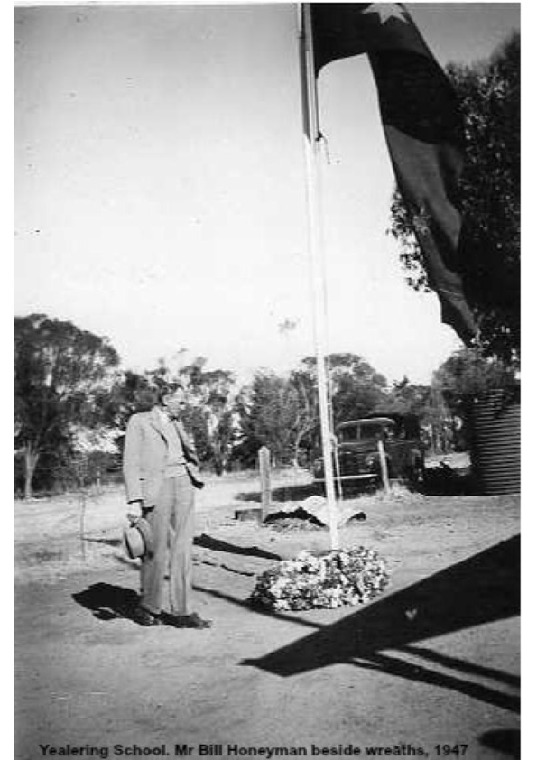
135 515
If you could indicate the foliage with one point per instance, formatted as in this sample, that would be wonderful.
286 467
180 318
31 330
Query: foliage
304 382
72 403
489 96
468 373
356 387
268 414
464 375
282 413
406 398
87 441
62 375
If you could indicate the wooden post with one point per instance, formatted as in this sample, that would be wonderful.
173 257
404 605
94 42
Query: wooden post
264 470
383 465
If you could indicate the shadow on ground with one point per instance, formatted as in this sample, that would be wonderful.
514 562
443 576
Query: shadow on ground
107 541
476 591
245 603
505 740
442 480
284 493
447 481
215 544
439 481
108 602
479 590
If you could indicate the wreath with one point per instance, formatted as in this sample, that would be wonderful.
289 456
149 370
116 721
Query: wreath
345 577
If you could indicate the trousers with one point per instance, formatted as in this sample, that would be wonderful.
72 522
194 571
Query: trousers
172 525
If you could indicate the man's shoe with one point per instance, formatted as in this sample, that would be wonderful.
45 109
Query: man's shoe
144 617
188 621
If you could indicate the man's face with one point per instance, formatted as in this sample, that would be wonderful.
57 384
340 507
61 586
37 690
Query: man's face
144 400
174 403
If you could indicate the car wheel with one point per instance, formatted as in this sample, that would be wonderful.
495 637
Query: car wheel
417 473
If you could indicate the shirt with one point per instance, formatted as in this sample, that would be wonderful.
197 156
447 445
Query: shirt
175 461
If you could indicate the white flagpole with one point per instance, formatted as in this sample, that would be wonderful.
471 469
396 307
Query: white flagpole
316 248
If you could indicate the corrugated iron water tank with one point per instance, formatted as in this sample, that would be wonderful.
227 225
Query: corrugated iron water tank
495 440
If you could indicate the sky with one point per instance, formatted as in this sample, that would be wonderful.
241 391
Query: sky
160 195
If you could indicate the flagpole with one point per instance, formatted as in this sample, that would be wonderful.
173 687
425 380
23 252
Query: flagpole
316 249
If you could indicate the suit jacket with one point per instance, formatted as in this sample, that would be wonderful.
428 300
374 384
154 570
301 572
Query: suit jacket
145 455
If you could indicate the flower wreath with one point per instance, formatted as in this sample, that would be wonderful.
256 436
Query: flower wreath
346 577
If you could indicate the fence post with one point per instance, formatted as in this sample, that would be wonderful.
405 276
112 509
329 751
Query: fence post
264 470
383 465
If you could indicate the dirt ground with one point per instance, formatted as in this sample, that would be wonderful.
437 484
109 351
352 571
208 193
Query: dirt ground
429 668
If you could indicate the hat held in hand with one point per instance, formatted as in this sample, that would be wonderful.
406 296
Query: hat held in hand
138 538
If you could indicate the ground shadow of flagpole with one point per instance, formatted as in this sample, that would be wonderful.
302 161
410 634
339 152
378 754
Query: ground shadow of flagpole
411 671
478 590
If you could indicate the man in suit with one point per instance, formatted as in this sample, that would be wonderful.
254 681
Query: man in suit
160 467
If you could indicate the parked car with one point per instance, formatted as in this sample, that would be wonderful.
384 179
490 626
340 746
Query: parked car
358 455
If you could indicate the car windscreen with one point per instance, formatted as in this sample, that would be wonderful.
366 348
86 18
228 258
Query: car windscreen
347 434
370 432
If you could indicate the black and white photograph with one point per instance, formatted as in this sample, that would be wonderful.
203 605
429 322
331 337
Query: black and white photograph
267 380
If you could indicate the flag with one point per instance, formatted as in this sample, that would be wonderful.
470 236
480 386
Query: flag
422 127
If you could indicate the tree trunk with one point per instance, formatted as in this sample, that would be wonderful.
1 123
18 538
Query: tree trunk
30 461
296 448
294 458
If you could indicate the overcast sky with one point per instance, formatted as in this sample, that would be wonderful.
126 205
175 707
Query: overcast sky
160 192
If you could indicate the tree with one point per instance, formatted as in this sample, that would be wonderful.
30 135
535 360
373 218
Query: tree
282 413
489 96
268 414
305 385
356 387
467 373
62 375
463 376
406 398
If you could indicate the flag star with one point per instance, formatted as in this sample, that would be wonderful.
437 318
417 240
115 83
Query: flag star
387 12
